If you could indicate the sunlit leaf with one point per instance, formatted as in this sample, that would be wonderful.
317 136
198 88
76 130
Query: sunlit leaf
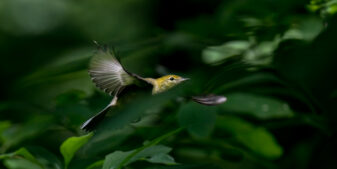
96 165
71 146
306 30
217 54
261 53
325 7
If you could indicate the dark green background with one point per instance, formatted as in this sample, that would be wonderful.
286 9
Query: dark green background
275 61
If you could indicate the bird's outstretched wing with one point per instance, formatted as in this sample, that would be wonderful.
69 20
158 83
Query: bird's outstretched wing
107 73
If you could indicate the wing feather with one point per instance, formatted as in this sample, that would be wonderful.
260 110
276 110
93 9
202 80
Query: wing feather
107 73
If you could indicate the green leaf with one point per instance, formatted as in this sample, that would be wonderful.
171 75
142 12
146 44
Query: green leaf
308 29
198 119
118 159
162 159
46 158
11 159
154 154
114 160
72 145
257 106
3 126
96 165
107 139
251 79
217 54
20 163
17 133
257 139
21 152
261 54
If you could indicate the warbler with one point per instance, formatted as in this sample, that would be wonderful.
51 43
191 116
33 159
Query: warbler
110 76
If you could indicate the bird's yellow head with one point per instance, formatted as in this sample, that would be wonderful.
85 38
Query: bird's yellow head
166 82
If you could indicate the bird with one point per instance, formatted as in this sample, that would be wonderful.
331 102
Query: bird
108 74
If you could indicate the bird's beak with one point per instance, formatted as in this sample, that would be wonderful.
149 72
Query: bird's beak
184 79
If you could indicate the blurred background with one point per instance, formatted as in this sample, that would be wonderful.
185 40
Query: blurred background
274 60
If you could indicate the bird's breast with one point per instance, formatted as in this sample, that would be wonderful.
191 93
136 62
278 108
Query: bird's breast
160 87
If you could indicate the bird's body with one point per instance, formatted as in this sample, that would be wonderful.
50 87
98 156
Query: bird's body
111 77
164 83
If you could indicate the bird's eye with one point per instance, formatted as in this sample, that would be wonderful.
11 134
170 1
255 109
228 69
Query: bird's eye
171 78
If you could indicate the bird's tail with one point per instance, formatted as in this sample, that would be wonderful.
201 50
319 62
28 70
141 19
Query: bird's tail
92 123
210 100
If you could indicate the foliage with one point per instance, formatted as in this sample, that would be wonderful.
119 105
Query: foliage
71 145
273 60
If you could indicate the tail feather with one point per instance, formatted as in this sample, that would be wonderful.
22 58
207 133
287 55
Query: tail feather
210 100
92 123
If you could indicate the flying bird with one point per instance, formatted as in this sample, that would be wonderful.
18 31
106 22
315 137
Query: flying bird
110 76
